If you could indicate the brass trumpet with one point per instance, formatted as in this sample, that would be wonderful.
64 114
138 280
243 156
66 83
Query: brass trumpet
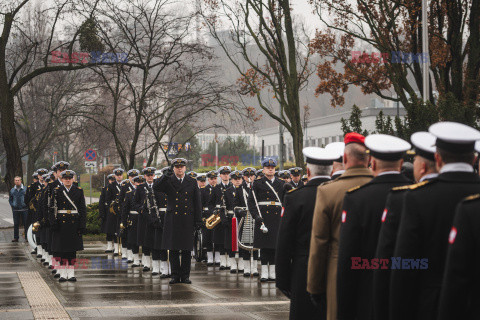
36 226
213 220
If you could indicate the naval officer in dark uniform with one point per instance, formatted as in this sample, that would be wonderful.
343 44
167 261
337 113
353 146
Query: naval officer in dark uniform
112 211
208 205
160 264
102 206
460 298
293 242
362 211
296 179
184 214
57 168
245 233
68 221
219 230
146 231
130 218
265 205
231 194
424 169
127 244
426 221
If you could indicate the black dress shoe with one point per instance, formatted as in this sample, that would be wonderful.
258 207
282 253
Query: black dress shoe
154 273
209 264
263 279
255 274
186 280
39 255
34 251
271 280
223 268
57 275
233 271
246 275
108 251
115 254
14 240
54 271
240 271
45 263
146 269
217 263
174 281
50 267
43 260
164 276
62 279
227 268
73 279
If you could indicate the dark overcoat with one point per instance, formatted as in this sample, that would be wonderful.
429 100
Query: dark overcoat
67 228
269 212
293 245
184 211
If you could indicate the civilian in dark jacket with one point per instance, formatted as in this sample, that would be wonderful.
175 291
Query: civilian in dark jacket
19 207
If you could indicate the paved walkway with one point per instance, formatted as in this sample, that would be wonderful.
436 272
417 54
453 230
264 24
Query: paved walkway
28 290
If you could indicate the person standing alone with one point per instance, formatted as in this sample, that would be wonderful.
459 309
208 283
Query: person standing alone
19 208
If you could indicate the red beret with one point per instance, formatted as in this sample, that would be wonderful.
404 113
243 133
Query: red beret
353 137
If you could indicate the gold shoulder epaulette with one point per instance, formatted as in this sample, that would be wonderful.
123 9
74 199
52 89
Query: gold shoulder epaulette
401 188
472 197
79 187
128 191
50 181
353 189
57 187
291 190
418 185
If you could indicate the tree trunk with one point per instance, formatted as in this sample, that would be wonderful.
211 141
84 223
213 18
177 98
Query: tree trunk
297 140
9 135
30 167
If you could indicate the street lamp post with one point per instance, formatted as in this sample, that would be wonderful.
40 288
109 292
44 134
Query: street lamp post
425 58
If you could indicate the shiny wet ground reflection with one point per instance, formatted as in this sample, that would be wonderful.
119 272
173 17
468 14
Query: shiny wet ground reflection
106 288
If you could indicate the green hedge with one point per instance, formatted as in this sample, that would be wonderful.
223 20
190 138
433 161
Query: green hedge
93 221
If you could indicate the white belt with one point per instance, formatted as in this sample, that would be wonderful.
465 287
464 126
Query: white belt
68 211
217 206
133 212
205 209
269 203
163 209
230 211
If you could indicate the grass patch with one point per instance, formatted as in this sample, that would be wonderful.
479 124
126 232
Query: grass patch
86 190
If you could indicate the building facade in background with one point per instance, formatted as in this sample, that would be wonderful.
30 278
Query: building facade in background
322 131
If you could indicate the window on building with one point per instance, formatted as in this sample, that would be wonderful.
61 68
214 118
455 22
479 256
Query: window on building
327 140
334 139
319 142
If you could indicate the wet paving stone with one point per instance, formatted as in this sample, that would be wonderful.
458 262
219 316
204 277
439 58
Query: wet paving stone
122 292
